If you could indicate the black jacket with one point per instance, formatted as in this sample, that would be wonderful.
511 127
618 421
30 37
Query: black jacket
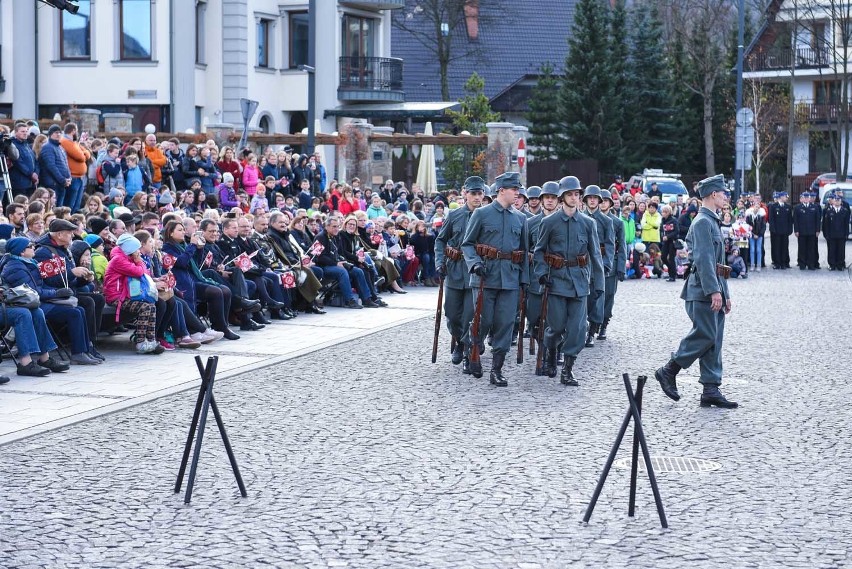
330 255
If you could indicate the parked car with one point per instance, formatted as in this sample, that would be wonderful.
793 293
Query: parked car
669 184
827 178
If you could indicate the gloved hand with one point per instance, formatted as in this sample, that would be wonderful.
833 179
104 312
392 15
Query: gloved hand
545 280
478 269
621 277
64 293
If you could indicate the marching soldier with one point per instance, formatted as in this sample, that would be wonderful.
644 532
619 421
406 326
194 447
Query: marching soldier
780 229
835 227
521 201
567 259
488 196
533 201
458 301
549 198
707 300
617 272
606 239
806 222
495 250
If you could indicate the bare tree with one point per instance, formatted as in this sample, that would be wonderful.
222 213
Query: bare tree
703 27
770 102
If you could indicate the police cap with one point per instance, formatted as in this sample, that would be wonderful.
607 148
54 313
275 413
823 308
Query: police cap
475 184
550 189
534 192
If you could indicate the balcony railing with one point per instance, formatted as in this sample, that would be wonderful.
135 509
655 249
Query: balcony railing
375 4
779 60
822 112
370 79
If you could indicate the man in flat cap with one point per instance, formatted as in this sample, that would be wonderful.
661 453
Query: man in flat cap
707 300
495 251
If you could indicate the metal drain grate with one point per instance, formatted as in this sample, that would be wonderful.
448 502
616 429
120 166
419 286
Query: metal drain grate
673 464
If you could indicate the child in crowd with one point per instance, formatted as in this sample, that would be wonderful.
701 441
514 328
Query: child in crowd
259 203
681 262
737 264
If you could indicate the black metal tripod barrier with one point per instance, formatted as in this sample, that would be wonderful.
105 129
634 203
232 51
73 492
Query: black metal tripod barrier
204 402
634 412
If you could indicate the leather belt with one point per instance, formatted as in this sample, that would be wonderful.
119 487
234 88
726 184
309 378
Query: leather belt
558 262
452 253
723 271
493 253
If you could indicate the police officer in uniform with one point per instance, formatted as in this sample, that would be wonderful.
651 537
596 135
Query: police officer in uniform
806 222
567 259
606 238
495 249
707 300
780 229
549 197
458 301
835 228
619 268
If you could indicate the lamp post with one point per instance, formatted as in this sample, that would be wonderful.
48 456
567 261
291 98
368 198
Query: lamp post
310 68
740 180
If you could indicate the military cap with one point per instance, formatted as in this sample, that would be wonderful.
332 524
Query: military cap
550 189
475 184
534 192
712 184
508 180
569 183
593 190
57 225
607 195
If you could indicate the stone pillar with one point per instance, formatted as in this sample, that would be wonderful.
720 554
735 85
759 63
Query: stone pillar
497 155
518 133
357 155
221 133
88 120
382 155
119 123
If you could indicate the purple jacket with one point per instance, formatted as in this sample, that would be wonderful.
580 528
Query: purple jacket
227 197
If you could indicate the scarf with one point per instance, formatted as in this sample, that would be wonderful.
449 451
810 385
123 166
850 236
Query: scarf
196 272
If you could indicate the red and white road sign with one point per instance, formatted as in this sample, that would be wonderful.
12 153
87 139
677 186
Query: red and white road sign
522 153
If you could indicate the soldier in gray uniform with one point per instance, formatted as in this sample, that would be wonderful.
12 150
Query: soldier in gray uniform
606 238
618 269
533 201
495 249
549 196
458 301
707 300
567 258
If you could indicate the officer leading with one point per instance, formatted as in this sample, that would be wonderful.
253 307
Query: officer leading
495 249
707 300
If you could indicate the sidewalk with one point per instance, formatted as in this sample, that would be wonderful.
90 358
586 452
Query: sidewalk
34 405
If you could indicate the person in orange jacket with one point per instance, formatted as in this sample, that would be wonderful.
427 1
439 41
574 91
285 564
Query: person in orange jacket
157 159
78 157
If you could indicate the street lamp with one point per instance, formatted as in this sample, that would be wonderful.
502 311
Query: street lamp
312 88
62 5
445 29
740 41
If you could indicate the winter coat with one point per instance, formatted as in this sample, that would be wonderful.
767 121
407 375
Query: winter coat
251 177
373 212
651 227
16 271
22 169
158 160
53 166
77 157
233 168
46 249
227 197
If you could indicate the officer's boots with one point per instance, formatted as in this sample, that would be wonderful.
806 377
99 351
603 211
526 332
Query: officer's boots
667 376
567 375
549 363
590 336
497 370
602 331
458 353
712 396
560 357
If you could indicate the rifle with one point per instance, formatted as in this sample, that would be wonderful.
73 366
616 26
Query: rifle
540 331
521 327
438 320
476 366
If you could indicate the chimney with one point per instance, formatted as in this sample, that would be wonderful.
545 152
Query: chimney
471 18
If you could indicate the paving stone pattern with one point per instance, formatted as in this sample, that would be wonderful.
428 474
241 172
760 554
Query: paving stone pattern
365 455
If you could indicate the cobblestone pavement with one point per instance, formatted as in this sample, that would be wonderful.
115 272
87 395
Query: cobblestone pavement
365 455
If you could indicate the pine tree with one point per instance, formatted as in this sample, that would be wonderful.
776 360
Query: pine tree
544 114
651 133
586 92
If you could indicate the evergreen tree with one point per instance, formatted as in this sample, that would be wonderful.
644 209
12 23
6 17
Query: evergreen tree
652 132
544 114
586 93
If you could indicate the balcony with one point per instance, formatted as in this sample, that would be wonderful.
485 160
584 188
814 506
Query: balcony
780 60
822 113
373 79
374 4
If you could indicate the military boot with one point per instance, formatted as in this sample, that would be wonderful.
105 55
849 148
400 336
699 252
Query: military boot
549 368
466 365
667 376
458 353
567 375
712 396
590 335
560 357
602 331
475 368
497 370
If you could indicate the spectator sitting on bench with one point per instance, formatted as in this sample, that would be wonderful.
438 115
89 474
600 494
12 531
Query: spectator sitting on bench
336 267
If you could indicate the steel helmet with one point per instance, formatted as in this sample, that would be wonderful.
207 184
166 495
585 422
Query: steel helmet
593 190
607 195
534 192
550 189
567 184
522 191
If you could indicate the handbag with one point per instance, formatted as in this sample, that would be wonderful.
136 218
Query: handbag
22 296
142 288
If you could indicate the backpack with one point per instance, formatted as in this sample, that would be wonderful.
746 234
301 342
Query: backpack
143 289
99 174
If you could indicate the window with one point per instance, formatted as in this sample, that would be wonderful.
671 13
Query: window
358 36
827 92
135 21
75 32
298 39
200 32
263 35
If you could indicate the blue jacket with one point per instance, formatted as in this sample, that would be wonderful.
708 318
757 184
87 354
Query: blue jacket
46 249
22 169
185 280
53 165
16 272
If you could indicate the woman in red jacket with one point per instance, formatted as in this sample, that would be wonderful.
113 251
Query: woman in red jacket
348 204
228 164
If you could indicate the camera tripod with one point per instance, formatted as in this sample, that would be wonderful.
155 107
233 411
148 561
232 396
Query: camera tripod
7 182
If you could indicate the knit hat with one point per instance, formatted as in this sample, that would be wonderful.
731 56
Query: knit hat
113 193
34 131
97 224
119 211
167 198
6 230
53 128
227 177
192 181
93 240
16 245
128 244
77 250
